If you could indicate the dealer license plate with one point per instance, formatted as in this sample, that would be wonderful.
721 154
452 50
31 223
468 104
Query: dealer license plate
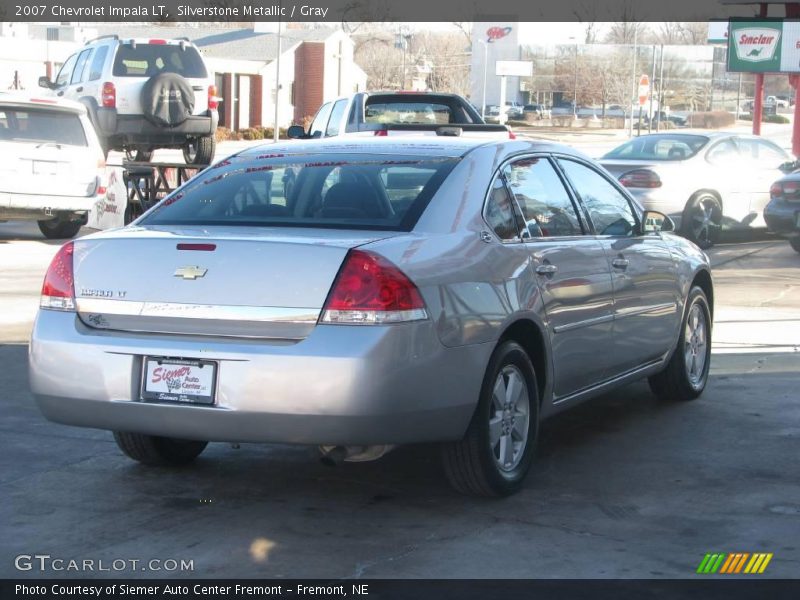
178 380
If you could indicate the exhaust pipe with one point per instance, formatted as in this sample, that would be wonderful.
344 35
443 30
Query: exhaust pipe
333 456
336 455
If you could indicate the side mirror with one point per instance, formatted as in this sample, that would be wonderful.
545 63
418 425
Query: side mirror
296 132
789 166
46 83
655 222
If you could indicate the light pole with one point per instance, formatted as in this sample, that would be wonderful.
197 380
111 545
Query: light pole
575 86
276 132
485 69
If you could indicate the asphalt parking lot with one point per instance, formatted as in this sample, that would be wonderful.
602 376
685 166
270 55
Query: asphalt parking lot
623 487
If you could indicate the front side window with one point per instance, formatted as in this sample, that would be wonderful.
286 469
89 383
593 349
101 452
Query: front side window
66 71
609 210
546 206
320 121
761 153
723 154
499 212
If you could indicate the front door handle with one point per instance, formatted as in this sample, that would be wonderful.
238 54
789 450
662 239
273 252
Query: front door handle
620 263
547 269
80 89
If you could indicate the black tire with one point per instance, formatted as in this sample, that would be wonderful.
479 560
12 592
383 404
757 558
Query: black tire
795 244
200 151
675 382
471 464
702 220
158 451
54 229
138 155
167 100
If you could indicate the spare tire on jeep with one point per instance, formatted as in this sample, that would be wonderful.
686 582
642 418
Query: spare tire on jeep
167 100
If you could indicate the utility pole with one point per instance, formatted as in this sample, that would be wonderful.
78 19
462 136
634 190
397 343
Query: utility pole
276 133
635 83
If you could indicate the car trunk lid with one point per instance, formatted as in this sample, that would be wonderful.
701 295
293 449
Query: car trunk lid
47 169
241 282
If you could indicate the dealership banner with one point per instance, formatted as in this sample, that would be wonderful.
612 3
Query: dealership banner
764 46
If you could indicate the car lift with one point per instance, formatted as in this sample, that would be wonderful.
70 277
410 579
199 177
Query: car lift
147 183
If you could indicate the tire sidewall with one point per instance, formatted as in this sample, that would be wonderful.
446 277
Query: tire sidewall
687 213
696 297
507 481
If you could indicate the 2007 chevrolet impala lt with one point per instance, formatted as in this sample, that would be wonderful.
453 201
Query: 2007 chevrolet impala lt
438 290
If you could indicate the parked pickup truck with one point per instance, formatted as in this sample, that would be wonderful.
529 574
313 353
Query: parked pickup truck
398 113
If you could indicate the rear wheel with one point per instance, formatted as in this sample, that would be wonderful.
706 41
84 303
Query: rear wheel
200 151
158 451
702 220
497 450
795 243
686 374
55 229
138 155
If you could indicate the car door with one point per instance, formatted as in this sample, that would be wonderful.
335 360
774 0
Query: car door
336 122
74 89
64 75
320 122
571 271
727 174
643 273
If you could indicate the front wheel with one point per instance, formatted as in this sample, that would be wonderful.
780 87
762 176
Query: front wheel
686 373
702 220
55 229
158 451
200 151
795 243
138 155
497 450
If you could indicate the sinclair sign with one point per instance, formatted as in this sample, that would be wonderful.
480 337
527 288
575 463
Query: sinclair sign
764 46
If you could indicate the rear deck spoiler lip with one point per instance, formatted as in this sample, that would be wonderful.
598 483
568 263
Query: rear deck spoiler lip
452 129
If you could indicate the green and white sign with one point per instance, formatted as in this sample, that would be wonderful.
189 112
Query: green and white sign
764 46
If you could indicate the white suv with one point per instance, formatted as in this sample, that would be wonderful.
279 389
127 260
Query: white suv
143 94
52 168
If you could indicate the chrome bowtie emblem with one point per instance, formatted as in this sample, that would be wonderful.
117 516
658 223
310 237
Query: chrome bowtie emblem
190 272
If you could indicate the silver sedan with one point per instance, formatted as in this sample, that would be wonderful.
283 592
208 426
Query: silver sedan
446 290
704 182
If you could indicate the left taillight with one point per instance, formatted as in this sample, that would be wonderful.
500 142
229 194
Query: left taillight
58 289
213 100
370 290
511 135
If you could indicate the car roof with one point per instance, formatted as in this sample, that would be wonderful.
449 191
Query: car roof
31 101
445 147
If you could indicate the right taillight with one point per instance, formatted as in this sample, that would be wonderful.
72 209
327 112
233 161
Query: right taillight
213 101
381 133
640 178
58 289
108 95
370 290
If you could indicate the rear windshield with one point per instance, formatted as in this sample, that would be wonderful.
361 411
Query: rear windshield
41 126
415 111
328 191
661 147
146 60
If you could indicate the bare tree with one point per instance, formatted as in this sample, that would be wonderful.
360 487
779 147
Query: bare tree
466 30
669 33
694 32
587 15
626 32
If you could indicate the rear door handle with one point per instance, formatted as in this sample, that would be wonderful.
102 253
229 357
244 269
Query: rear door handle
80 89
61 93
620 263
547 269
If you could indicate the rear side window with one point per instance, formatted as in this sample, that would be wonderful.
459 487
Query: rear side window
147 60
317 128
99 59
41 127
329 191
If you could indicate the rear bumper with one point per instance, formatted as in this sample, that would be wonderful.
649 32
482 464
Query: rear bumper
341 385
135 129
36 207
781 217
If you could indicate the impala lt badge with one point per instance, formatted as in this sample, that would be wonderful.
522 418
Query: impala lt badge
190 272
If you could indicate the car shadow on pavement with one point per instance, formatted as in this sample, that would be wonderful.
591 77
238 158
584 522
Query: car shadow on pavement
616 470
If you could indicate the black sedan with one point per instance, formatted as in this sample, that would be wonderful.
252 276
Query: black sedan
782 213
